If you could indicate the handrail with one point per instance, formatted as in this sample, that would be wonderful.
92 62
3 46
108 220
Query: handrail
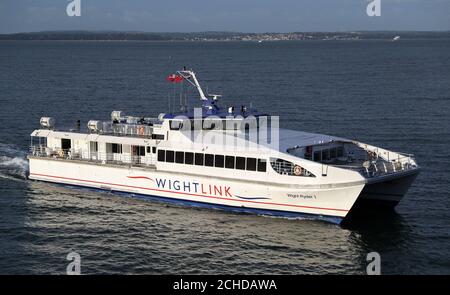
100 157
378 167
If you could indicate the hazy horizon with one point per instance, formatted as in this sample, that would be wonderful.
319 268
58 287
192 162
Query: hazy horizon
235 32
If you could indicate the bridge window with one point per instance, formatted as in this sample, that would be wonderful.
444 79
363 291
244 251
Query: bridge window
318 156
333 153
175 125
326 154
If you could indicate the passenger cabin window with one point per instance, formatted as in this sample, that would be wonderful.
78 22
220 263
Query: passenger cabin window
42 141
189 158
219 161
179 157
251 164
199 159
170 156
116 148
161 155
93 146
66 143
240 163
154 149
209 160
141 151
229 162
262 165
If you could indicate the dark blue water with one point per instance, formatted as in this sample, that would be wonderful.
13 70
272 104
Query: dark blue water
390 94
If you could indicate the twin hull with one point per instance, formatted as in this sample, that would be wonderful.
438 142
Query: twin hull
328 203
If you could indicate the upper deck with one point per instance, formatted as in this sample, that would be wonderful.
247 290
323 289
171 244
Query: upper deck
241 134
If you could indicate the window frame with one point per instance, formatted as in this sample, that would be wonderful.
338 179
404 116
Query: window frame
191 158
254 166
259 165
197 156
227 162
163 153
217 160
236 163
170 156
207 158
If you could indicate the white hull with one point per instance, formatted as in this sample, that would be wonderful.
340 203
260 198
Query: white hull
389 189
328 203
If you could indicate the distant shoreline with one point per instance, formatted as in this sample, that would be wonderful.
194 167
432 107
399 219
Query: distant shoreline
220 36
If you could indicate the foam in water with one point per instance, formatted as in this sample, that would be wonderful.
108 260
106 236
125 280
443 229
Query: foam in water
13 163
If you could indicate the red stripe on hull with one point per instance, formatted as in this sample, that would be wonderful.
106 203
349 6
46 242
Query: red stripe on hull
189 194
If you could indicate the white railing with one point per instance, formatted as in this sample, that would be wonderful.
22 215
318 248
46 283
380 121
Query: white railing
99 157
378 167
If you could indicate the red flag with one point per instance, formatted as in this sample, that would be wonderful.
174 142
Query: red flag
174 78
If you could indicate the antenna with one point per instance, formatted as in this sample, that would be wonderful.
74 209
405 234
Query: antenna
188 75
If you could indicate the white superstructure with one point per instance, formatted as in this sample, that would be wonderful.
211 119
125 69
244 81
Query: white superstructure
186 158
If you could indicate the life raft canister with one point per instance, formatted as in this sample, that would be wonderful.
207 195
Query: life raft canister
297 170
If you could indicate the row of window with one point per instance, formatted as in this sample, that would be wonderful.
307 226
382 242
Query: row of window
226 124
211 160
137 150
328 154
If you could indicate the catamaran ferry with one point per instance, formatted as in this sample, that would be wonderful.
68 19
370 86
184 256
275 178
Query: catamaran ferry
233 158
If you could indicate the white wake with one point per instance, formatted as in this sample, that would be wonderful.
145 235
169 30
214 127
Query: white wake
13 162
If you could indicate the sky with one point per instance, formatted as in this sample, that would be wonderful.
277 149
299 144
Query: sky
224 15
